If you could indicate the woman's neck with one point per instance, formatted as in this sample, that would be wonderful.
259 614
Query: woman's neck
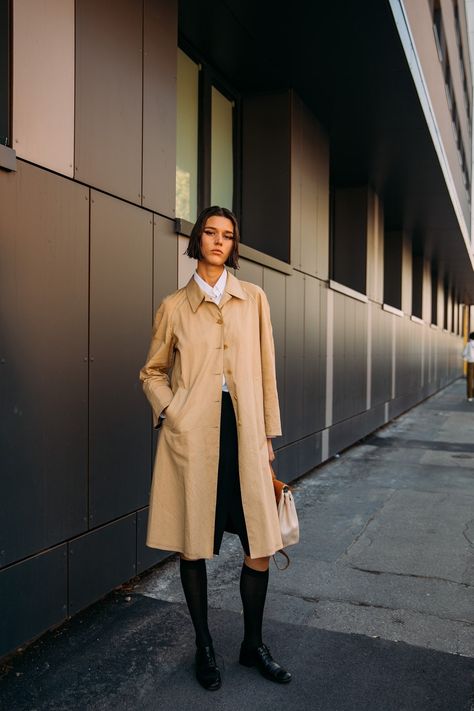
209 272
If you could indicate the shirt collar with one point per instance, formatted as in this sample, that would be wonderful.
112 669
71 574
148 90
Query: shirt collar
212 291
232 288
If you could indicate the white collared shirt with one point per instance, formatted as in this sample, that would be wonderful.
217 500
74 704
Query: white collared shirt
216 293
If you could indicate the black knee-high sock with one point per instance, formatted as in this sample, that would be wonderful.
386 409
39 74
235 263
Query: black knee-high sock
253 591
194 580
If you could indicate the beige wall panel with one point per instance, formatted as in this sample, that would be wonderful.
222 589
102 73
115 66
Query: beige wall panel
165 259
426 292
309 192
186 265
375 243
296 147
43 83
109 96
420 20
249 271
159 106
407 274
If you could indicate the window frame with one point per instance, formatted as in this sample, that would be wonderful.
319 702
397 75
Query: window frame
209 77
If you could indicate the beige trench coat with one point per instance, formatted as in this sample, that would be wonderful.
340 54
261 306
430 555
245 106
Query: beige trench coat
194 342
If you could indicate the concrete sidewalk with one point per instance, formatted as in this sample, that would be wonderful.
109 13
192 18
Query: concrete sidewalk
376 611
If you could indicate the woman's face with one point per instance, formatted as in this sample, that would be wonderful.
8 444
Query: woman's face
217 240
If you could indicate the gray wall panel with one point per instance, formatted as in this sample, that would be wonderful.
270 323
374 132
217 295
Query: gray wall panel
274 286
350 357
294 355
101 560
120 307
43 360
159 105
314 363
108 131
381 355
165 260
34 597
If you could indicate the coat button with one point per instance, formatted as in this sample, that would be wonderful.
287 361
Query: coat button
219 320
225 346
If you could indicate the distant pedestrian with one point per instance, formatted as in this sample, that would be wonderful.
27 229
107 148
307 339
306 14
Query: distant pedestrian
210 379
468 355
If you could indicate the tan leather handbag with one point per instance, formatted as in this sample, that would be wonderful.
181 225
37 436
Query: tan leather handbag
289 526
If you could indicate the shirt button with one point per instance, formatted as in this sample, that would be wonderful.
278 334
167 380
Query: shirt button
225 346
219 320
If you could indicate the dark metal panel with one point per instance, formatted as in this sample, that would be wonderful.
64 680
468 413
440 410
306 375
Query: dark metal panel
165 260
108 130
310 453
43 360
146 556
274 286
286 465
101 560
159 105
349 431
294 344
34 597
120 306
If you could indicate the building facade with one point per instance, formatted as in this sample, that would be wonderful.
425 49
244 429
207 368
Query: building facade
340 134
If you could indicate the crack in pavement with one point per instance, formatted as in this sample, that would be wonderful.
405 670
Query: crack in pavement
361 603
367 523
467 526
410 575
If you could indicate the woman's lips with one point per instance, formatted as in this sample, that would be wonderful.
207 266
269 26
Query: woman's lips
216 251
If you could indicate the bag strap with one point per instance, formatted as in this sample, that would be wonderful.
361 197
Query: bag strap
287 559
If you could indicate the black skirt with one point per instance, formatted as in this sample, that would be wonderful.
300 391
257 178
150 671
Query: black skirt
229 512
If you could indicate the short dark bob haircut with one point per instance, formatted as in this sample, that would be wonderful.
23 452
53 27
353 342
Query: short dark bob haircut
194 246
471 336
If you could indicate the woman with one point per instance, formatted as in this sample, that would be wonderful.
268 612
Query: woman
468 355
210 379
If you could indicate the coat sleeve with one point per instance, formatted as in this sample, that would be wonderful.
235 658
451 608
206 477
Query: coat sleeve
154 374
267 350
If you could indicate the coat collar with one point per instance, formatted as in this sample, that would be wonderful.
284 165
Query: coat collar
232 288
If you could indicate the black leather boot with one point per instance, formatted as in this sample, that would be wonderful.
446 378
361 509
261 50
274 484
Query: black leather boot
266 665
207 671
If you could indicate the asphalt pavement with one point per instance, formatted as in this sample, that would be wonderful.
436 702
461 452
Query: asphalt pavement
375 612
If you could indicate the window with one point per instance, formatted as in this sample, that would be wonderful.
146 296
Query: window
5 64
222 155
434 296
392 269
206 139
187 138
417 285
349 237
